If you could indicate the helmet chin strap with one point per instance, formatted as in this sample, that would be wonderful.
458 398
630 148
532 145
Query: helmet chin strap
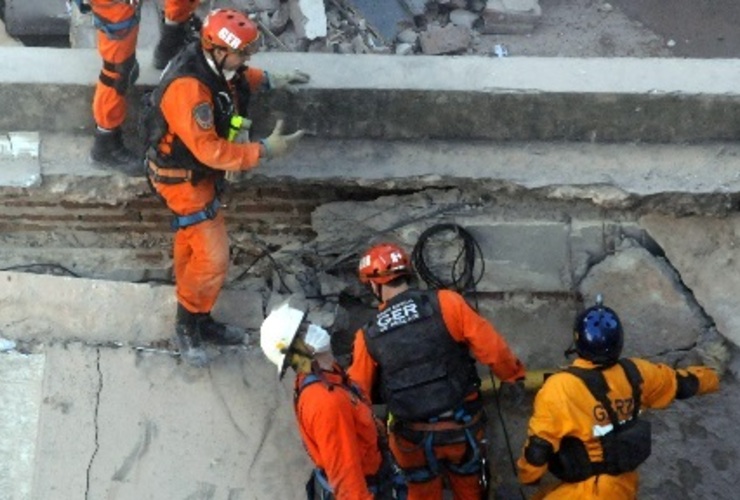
218 67
570 350
378 291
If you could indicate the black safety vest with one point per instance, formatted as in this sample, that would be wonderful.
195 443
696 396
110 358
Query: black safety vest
424 372
625 447
191 62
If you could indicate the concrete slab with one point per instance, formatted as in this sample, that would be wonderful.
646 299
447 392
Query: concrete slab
128 425
704 251
97 311
519 255
20 400
513 98
67 428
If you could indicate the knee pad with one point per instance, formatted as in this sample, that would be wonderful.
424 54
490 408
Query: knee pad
128 73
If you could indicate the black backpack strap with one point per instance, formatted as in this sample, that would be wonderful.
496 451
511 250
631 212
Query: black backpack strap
635 378
597 386
309 379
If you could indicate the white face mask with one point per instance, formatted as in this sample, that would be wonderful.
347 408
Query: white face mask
317 339
228 73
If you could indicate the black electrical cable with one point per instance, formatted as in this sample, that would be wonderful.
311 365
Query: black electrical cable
463 277
464 280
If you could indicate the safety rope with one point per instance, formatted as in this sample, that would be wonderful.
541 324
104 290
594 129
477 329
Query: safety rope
463 279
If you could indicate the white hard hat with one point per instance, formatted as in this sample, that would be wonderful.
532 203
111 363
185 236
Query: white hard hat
277 333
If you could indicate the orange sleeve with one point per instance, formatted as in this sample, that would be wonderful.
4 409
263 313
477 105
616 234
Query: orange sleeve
256 78
485 342
179 104
326 418
363 368
660 385
179 11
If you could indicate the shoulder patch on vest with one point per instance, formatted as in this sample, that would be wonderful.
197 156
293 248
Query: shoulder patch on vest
203 115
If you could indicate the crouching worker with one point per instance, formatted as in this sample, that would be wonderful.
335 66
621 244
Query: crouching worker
586 427
335 420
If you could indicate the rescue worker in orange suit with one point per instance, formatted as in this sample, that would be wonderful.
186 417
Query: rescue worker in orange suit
336 422
417 352
117 22
205 87
586 427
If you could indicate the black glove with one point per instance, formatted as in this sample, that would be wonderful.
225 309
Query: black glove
513 393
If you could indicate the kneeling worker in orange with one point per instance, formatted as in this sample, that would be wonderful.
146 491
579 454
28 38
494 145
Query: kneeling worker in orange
205 87
586 427
335 420
117 22
418 350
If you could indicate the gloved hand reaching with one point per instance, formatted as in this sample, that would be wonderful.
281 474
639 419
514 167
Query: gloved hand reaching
715 355
287 80
513 392
277 144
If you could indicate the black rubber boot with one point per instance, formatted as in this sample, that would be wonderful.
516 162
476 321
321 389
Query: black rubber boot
172 38
109 150
219 333
188 338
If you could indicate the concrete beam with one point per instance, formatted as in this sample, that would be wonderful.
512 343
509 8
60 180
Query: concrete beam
390 97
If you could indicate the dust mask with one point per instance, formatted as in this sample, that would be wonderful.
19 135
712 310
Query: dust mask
317 339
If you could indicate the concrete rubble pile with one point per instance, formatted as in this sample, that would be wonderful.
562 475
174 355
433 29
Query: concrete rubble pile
402 27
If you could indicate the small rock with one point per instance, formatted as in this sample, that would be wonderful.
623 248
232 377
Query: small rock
408 36
6 345
404 49
465 18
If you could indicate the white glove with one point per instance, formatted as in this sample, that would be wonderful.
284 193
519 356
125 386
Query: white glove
286 80
715 355
318 339
278 144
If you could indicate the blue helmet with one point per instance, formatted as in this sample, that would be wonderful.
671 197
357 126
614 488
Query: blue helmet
598 335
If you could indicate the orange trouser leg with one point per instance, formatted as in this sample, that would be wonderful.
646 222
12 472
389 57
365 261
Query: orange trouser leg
179 10
201 260
411 456
604 487
109 107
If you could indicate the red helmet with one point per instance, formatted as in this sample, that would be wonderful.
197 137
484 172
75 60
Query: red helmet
231 30
383 263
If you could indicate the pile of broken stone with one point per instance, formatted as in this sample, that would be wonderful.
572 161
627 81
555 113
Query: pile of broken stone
402 27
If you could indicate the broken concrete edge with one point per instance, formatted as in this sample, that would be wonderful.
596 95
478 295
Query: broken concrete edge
451 73
643 177
457 97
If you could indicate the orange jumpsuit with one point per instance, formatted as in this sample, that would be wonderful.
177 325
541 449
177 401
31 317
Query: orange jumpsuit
339 433
118 51
565 407
201 251
488 347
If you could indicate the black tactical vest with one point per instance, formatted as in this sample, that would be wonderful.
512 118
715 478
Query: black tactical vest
423 371
191 62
